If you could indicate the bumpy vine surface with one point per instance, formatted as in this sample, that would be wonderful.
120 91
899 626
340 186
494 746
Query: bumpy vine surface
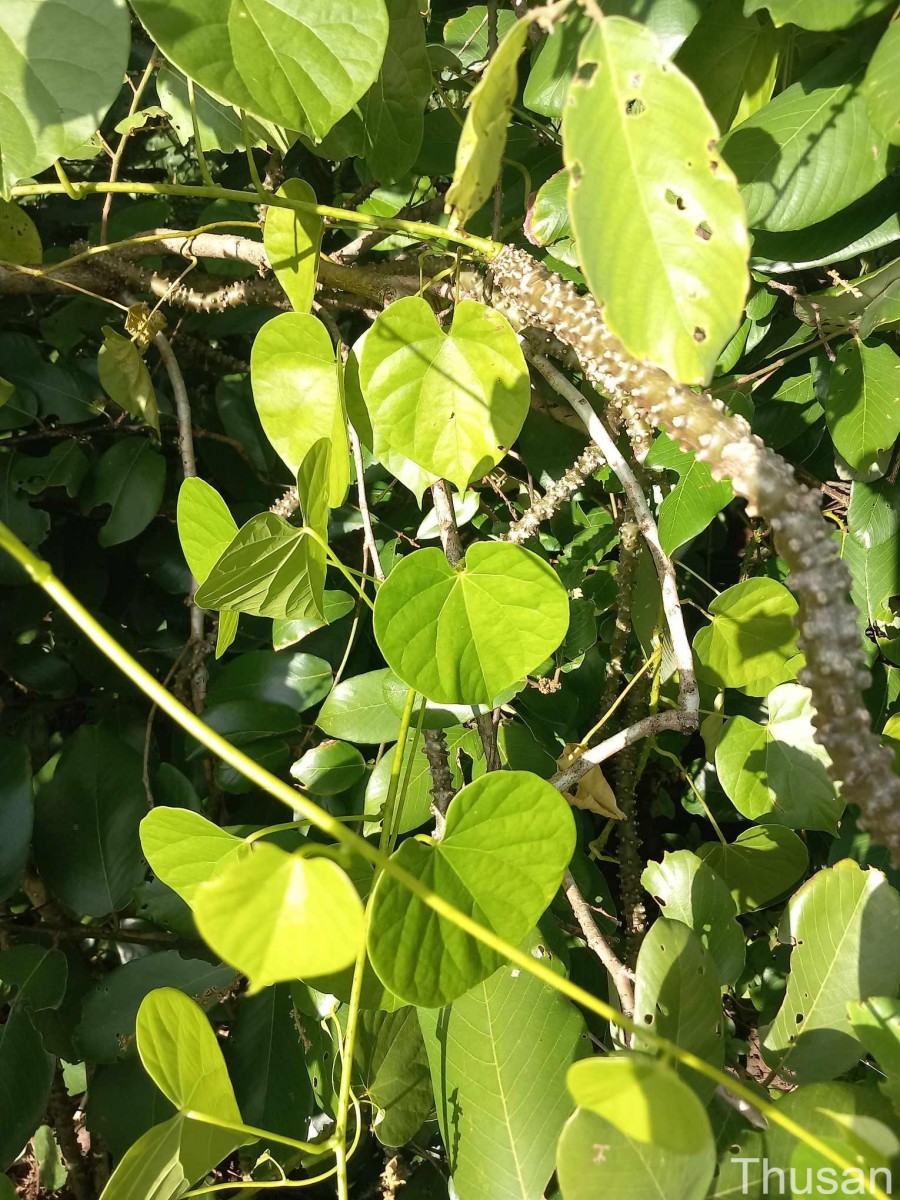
827 621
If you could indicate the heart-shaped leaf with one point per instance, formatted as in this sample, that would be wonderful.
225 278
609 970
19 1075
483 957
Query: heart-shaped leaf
759 865
206 529
292 240
278 917
299 63
185 850
451 402
508 840
463 636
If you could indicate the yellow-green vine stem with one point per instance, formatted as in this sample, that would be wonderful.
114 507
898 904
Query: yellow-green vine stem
423 230
41 573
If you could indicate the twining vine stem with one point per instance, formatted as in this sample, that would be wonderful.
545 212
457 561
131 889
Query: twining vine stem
41 573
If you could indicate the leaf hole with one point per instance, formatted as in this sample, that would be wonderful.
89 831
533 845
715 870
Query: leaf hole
714 165
635 79
586 72
674 199
799 1018
648 1018
659 900
711 144
699 334
634 107
703 232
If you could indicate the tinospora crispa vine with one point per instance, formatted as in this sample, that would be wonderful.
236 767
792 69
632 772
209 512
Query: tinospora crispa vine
827 621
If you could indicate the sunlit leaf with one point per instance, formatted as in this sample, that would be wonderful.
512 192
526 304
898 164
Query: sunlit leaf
292 240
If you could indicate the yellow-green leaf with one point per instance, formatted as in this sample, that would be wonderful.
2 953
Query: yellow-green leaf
292 240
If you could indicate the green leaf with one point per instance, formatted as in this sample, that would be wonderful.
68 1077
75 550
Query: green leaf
677 996
451 402
110 1007
6 391
30 524
391 1060
393 109
594 1158
296 389
151 1168
809 152
124 377
873 516
778 770
479 155
688 890
86 821
880 85
818 14
548 221
270 569
694 501
876 1022
300 65
267 1064
439 628
644 1099
752 642
357 710
182 1056
498 1058
292 241
205 526
668 256
486 866
296 680
20 241
466 37
416 800
131 478
861 407
218 124
279 916
329 768
64 466
554 65
61 67
16 813
184 849
732 58
844 925
335 605
759 865
670 20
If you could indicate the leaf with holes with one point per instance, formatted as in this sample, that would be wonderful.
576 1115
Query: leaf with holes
677 996
687 890
479 155
451 402
292 240
299 63
488 866
666 255
438 627
844 925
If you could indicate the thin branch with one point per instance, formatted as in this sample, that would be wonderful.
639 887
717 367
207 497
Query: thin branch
618 972
61 1112
152 64
96 933
435 750
368 533
590 460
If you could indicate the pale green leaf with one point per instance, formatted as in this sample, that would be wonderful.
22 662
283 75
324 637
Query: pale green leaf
554 65
335 605
486 865
677 996
876 1022
416 799
61 67
880 85
809 152
278 917
844 925
296 389
818 14
778 770
20 241
862 406
292 240
688 890
643 1098
463 636
299 63
452 402
656 214
759 865
357 710
498 1058
184 849
124 377
479 155
752 642
205 526
218 125
671 20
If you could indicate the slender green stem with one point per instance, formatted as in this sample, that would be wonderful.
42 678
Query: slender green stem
348 1050
314 1148
404 787
198 145
41 573
282 827
251 161
336 562
422 230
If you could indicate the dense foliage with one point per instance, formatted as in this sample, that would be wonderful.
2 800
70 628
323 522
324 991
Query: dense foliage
450 655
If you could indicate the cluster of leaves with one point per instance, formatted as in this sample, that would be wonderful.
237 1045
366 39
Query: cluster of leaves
201 987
